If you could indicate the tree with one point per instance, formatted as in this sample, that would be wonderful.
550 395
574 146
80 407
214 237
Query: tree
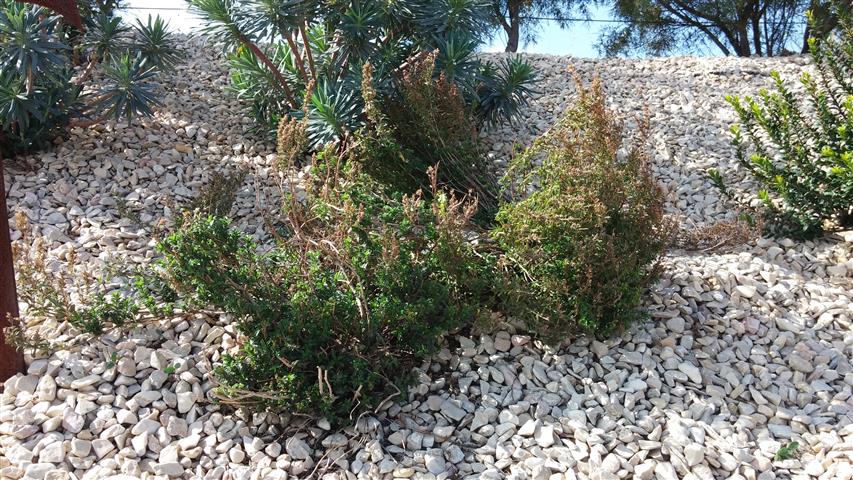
735 27
519 18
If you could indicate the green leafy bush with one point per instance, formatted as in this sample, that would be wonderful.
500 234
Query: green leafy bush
584 232
41 94
282 52
801 149
335 316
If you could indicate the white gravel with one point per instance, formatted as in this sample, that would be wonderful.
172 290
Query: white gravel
745 350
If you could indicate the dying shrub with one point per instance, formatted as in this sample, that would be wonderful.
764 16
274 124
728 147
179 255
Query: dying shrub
800 146
337 313
291 141
88 303
218 195
585 231
426 124
724 233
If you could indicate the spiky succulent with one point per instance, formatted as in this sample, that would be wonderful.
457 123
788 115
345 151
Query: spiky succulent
325 43
40 92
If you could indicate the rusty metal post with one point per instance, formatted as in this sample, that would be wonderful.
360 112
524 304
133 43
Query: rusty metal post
11 360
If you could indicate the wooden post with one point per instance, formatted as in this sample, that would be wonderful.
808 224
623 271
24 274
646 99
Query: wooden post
11 360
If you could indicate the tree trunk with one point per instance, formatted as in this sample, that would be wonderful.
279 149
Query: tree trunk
512 39
514 30
756 33
743 48
11 360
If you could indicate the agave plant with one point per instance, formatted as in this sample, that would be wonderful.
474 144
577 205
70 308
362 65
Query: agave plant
281 49
41 92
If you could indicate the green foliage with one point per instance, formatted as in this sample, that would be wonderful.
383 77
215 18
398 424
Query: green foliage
505 89
800 148
254 84
718 181
128 90
787 451
582 238
111 363
104 38
153 43
282 52
40 92
339 311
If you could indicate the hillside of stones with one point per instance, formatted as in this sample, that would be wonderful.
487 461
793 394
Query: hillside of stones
746 348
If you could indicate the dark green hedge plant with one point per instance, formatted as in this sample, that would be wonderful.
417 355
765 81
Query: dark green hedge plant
357 292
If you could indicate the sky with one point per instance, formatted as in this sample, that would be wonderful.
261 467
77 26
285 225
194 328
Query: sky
579 40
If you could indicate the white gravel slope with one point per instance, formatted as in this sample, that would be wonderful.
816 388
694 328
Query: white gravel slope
743 352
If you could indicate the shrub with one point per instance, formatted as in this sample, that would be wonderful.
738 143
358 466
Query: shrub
217 197
338 312
41 94
801 150
427 124
64 293
584 232
281 52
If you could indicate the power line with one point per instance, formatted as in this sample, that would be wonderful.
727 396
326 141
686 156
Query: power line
650 22
156 8
554 19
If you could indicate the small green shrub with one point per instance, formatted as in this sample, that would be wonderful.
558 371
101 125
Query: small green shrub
65 294
787 451
584 232
801 149
339 311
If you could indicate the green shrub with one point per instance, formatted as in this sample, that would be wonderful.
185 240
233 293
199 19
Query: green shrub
801 149
41 94
584 232
335 316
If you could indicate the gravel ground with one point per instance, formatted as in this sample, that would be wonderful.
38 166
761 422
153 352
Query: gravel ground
745 349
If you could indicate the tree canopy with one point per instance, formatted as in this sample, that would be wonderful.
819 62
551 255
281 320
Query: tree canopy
734 27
